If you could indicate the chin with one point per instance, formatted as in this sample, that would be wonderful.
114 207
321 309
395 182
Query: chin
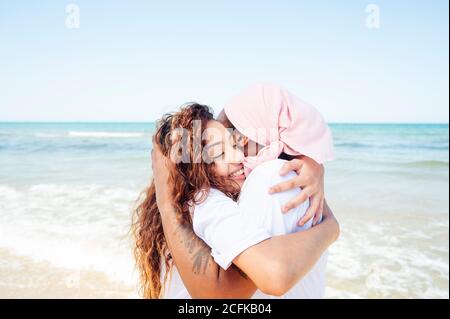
237 182
240 182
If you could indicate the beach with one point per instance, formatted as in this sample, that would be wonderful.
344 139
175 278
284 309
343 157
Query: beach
67 191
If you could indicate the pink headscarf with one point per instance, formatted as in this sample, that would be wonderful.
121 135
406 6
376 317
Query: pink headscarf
271 116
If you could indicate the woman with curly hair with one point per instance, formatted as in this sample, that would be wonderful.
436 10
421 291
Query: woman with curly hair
267 260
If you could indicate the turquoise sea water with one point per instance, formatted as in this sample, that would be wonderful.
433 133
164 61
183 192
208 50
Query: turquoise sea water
66 190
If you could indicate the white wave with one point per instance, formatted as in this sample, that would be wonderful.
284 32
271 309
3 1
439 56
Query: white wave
85 226
104 134
46 135
71 255
379 261
76 227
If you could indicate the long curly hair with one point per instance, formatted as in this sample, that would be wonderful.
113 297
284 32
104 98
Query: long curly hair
190 178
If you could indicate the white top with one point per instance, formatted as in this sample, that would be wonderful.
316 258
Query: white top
229 228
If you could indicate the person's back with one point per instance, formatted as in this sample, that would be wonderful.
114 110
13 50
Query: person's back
265 210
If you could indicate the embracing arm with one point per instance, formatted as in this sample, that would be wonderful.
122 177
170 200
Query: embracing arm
277 264
273 265
202 277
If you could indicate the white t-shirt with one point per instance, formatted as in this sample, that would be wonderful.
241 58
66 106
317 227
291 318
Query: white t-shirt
229 228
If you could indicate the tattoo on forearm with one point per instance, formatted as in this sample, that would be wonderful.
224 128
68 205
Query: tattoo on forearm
201 253
243 274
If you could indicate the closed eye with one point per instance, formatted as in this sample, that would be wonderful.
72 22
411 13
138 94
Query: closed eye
238 140
219 156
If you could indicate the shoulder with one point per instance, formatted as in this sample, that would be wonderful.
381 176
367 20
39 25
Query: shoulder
214 208
212 199
205 197
262 178
270 165
269 173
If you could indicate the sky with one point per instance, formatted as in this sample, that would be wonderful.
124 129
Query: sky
135 60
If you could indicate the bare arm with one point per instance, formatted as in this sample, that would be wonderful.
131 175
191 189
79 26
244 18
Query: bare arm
290 256
202 277
200 274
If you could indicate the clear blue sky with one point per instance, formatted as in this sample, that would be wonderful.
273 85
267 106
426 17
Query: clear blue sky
134 60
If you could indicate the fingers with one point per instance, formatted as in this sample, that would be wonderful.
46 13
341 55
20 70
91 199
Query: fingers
153 149
158 158
318 215
153 158
317 218
284 186
292 165
309 214
296 201
156 148
313 207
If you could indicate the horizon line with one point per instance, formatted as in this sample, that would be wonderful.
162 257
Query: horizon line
143 122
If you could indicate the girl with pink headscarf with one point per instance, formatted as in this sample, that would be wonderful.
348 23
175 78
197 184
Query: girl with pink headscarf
277 124
271 116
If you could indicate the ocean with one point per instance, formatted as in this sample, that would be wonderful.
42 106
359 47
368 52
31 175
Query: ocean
67 190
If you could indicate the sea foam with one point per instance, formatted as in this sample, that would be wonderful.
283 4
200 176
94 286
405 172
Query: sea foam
84 227
104 134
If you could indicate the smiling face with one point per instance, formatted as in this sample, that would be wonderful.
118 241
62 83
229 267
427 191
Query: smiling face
223 150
